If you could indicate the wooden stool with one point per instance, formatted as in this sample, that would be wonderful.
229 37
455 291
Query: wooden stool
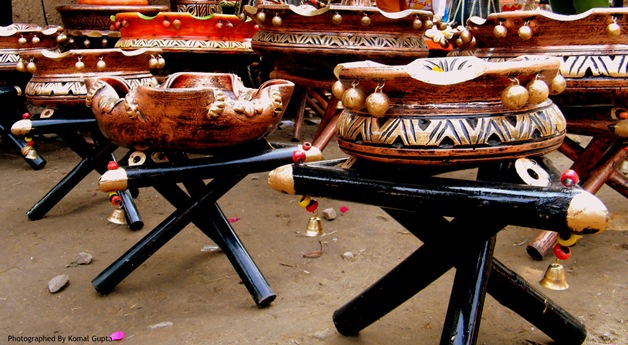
226 169
220 120
419 201
72 125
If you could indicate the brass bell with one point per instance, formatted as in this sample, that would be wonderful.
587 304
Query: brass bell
314 227
554 278
29 152
623 167
117 217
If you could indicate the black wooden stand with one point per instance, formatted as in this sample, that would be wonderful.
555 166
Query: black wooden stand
419 201
13 104
71 125
198 206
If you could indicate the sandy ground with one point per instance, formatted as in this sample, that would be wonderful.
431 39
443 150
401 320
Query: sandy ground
187 295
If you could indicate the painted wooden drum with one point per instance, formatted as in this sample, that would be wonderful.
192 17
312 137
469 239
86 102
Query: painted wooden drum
445 111
593 47
58 79
310 39
16 38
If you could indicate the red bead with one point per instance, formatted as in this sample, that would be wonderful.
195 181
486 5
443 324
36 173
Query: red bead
298 157
569 178
307 146
112 165
561 252
30 143
312 206
116 200
26 116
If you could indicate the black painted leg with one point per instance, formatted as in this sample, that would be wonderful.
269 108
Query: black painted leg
36 163
240 259
108 279
133 219
217 227
411 275
71 180
511 290
464 313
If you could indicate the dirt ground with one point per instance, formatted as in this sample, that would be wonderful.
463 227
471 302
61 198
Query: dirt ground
186 294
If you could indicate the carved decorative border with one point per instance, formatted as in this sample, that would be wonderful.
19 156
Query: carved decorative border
184 44
583 66
451 132
76 88
373 40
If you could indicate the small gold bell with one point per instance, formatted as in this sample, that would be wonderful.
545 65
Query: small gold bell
623 167
377 103
314 227
21 67
277 20
554 277
336 18
101 65
515 96
29 152
365 20
500 31
31 67
538 91
117 217
353 98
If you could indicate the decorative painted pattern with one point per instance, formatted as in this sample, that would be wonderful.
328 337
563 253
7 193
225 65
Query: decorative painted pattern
186 44
93 21
581 66
200 10
9 58
615 66
76 88
452 131
352 40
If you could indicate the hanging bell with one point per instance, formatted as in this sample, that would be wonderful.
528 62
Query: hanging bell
554 278
623 167
117 217
29 152
314 227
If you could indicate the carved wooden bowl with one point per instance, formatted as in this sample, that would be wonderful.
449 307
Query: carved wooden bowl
59 78
16 38
593 47
190 111
444 111
305 38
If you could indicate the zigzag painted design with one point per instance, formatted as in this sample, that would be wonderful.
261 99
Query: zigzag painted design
200 10
615 66
578 66
9 58
450 132
76 88
340 41
188 44
88 22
